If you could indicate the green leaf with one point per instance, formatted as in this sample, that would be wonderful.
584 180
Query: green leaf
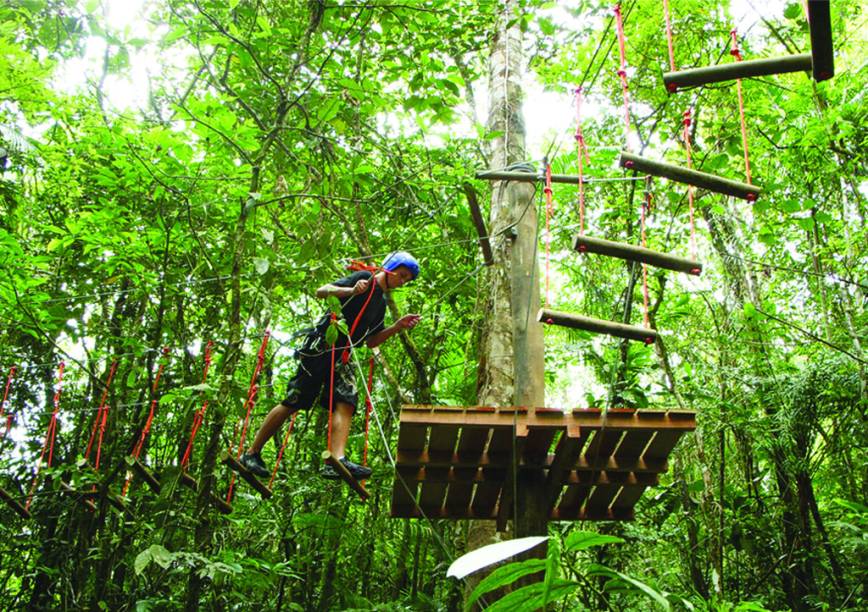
141 562
533 596
622 582
580 540
331 335
749 310
502 576
261 264
161 556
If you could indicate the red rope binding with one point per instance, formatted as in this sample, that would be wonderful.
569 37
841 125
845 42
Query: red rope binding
48 444
548 237
345 356
368 408
331 390
736 53
646 209
622 72
101 417
137 450
9 378
690 195
672 87
282 448
200 414
582 154
252 390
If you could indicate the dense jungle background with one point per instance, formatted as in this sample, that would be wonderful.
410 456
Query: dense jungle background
277 140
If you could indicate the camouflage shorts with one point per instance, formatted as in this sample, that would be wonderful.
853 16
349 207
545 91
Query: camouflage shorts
313 376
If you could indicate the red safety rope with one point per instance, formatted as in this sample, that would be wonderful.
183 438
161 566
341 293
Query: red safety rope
690 196
622 72
48 444
646 209
345 356
9 378
582 154
735 52
252 390
282 448
101 417
331 389
137 450
672 86
369 406
548 237
200 414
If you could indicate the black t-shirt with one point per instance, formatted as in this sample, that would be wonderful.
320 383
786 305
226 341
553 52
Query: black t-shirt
373 316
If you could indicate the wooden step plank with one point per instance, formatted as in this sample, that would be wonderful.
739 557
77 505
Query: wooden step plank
629 252
679 174
598 326
820 22
188 481
221 504
524 177
345 475
144 473
228 460
705 75
14 504
442 441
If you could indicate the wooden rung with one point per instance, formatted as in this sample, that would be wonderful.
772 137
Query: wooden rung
144 473
117 501
345 474
84 498
221 504
524 177
693 77
251 479
599 326
820 22
14 504
188 481
696 178
584 244
478 221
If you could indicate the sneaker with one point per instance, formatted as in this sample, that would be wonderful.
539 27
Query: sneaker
252 462
359 472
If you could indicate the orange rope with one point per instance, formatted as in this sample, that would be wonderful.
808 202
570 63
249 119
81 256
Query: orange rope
200 415
735 52
548 237
331 390
368 408
9 378
622 72
48 444
646 208
282 448
99 420
582 153
690 195
672 86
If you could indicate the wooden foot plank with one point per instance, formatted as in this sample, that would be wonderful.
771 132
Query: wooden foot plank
597 326
705 75
144 473
629 252
14 504
567 453
188 481
345 475
711 182
248 476
221 504
822 56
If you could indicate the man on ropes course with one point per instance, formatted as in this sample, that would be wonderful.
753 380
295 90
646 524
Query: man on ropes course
363 308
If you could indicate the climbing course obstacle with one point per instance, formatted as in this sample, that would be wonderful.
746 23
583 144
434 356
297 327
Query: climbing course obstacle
819 61
460 462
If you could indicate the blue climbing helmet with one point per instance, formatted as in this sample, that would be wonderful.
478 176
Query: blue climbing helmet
401 258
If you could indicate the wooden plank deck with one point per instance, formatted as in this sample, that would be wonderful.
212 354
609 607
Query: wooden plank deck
458 462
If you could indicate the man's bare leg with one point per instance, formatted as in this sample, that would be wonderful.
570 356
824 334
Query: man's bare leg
341 419
273 420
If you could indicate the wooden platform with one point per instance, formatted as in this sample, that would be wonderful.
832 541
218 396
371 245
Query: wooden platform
457 462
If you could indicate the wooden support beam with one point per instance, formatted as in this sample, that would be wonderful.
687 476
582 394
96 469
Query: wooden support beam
423 459
14 504
556 514
144 473
84 498
505 509
629 252
479 222
222 505
598 326
696 178
345 474
693 77
525 177
188 481
567 453
252 480
822 55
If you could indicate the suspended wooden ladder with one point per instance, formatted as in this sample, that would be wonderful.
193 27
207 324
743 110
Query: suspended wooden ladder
457 462
9 499
820 61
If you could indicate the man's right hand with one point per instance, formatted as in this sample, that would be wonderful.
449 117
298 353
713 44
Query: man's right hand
361 286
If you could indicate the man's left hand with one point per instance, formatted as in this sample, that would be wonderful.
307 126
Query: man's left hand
407 321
